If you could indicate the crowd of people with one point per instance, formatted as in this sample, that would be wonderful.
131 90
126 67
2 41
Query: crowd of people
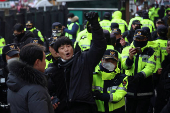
109 67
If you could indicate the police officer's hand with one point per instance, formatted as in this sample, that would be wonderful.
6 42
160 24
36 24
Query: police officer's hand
122 42
159 71
132 52
91 17
138 77
96 94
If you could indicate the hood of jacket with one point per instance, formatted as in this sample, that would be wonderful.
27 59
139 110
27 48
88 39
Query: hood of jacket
21 74
117 15
75 19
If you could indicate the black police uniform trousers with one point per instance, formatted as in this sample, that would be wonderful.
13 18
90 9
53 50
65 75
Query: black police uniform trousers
134 105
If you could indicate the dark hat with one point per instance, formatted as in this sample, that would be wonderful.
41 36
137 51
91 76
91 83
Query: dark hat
52 40
116 31
56 25
146 29
36 41
29 23
114 25
70 15
111 54
136 22
140 33
106 15
160 21
10 50
162 29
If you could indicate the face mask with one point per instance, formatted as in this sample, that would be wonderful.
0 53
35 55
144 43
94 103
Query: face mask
12 59
109 66
68 19
118 42
20 35
137 27
140 43
55 33
28 28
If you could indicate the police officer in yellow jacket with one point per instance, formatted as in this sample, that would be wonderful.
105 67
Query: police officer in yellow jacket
72 29
34 30
56 33
105 23
84 38
147 23
161 41
139 62
109 85
2 44
116 18
137 17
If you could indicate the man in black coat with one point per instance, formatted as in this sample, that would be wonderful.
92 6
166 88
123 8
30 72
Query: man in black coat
21 37
75 71
27 91
10 52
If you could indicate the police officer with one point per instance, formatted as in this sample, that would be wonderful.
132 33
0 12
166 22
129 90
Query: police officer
109 85
72 29
147 23
128 35
69 16
137 17
116 18
162 41
156 15
10 52
114 25
57 32
139 64
2 44
21 37
154 33
105 23
37 33
84 38
151 12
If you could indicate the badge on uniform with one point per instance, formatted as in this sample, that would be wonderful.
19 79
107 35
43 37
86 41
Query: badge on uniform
12 47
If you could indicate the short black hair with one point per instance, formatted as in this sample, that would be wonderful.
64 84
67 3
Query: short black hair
62 41
18 27
31 52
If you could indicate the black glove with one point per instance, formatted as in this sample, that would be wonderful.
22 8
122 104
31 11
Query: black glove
138 77
92 17
101 96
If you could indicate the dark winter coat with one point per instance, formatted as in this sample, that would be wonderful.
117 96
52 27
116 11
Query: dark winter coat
165 18
76 75
27 91
24 40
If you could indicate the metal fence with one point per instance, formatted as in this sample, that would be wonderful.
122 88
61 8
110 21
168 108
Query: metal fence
41 20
